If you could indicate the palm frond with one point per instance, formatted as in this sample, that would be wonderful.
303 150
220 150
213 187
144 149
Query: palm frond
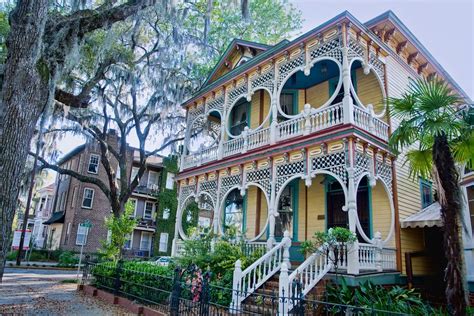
406 134
463 149
434 95
420 162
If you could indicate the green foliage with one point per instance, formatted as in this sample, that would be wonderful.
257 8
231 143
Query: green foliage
68 258
190 218
137 279
4 29
167 201
38 255
270 22
220 263
119 227
331 238
371 296
430 109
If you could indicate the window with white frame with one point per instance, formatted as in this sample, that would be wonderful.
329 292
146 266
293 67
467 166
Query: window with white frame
148 212
134 174
152 180
128 242
170 181
145 241
93 164
163 242
88 198
166 213
81 237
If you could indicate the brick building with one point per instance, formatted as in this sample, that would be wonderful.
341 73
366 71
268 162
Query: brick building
76 202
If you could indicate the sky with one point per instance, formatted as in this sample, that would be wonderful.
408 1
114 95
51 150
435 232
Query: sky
445 28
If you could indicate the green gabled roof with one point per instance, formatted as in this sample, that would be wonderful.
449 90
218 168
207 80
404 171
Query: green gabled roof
239 69
229 49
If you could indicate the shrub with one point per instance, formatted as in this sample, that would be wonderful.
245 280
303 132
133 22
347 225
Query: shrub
12 255
68 258
371 296
140 280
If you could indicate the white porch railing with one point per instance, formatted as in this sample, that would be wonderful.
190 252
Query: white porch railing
327 117
367 121
308 274
389 257
247 281
250 247
367 256
259 138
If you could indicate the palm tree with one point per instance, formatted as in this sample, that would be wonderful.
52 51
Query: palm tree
436 133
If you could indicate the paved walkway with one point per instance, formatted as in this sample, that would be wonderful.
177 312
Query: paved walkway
40 292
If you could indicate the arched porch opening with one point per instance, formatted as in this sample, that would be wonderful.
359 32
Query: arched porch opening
197 216
367 89
319 87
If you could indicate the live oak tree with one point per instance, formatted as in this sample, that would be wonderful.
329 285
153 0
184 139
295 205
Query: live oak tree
41 47
48 66
434 117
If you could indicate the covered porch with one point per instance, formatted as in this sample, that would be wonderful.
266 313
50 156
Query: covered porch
259 212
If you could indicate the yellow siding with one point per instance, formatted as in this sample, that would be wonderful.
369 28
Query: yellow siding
369 90
255 110
409 197
301 100
317 95
316 206
381 214
251 212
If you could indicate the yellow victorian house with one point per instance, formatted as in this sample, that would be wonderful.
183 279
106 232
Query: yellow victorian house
287 140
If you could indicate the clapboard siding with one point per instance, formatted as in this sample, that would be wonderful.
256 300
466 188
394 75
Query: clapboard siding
409 196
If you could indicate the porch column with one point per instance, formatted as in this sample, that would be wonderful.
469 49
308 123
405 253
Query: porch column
347 102
351 208
174 246
272 207
220 148
273 104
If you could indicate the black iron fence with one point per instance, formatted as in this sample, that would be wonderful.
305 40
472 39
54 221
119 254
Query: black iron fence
190 292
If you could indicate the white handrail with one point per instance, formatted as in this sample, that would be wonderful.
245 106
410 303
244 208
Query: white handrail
309 273
247 281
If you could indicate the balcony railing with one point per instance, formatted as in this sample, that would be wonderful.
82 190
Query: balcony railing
307 122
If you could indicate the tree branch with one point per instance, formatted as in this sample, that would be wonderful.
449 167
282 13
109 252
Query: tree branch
92 180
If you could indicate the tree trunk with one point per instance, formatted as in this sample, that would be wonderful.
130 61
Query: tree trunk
23 97
449 198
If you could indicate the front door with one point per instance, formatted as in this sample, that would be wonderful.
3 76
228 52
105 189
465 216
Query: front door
335 200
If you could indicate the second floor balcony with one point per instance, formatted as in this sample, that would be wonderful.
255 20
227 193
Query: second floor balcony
296 101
